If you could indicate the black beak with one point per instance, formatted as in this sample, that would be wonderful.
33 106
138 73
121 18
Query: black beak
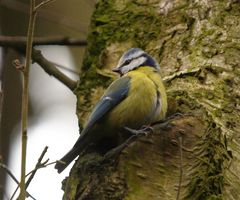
117 70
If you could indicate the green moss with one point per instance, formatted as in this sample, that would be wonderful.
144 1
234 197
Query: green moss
207 183
136 23
208 180
184 103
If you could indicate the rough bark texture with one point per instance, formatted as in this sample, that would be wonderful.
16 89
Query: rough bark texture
200 39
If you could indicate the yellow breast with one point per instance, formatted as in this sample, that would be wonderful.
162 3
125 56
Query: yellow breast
140 106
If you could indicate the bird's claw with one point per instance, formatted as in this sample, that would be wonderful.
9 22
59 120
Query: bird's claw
145 130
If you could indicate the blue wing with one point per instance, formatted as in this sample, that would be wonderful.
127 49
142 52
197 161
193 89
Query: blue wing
115 93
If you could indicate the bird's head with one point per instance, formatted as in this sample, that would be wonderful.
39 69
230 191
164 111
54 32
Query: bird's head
134 58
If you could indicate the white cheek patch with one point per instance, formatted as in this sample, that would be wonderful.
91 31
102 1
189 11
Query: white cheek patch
133 64
133 55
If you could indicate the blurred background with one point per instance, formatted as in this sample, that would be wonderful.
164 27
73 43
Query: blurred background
52 119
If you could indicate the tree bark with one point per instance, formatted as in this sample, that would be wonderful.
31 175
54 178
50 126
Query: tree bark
197 46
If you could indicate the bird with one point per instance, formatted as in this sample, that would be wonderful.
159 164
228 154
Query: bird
136 99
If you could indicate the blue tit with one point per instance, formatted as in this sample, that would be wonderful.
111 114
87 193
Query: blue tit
137 98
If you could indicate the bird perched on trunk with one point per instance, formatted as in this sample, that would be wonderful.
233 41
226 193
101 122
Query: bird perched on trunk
137 98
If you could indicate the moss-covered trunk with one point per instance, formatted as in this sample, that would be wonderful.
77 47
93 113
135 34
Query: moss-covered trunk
197 44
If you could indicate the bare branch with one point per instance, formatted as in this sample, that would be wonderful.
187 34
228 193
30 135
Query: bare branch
52 70
36 166
20 41
3 166
8 171
42 165
33 172
15 191
43 3
65 68
25 98
183 73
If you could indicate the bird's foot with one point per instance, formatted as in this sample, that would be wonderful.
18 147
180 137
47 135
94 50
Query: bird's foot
145 130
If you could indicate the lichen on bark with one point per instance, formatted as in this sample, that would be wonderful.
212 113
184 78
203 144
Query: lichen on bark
199 36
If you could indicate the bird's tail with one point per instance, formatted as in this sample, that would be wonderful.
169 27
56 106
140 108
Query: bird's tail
67 159
73 153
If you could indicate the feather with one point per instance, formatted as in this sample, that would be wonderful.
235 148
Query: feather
116 92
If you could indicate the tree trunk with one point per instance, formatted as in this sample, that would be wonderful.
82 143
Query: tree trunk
196 155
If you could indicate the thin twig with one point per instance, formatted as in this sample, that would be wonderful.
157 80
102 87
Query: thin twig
52 70
31 24
15 191
43 3
8 171
3 166
183 73
36 166
20 41
180 168
42 165
33 172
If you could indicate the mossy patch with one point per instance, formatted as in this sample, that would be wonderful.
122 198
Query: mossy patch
208 181
136 23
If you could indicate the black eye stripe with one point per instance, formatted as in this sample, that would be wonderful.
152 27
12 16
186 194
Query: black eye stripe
130 60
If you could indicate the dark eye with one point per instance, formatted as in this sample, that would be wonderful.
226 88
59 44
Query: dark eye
127 62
